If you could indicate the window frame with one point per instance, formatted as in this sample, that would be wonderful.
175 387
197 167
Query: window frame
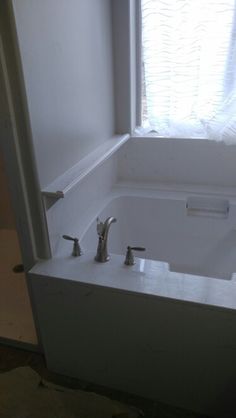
127 58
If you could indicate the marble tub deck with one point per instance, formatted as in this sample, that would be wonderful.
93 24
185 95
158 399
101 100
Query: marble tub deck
146 277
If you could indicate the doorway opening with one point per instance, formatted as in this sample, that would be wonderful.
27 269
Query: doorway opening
16 318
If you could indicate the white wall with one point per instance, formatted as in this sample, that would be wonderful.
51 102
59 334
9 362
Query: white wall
66 52
178 161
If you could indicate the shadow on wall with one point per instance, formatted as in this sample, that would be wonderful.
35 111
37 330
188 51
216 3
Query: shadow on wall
6 213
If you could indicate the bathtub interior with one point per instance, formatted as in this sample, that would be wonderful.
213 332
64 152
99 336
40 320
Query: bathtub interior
204 246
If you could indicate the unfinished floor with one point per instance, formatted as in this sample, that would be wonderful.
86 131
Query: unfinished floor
16 319
12 357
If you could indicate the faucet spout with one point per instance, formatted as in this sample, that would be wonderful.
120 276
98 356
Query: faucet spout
103 231
107 225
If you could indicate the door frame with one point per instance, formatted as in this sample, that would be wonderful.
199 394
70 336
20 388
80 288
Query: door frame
18 153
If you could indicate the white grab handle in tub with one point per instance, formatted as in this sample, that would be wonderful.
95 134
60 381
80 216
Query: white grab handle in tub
207 206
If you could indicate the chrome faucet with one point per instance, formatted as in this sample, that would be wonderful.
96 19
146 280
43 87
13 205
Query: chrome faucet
103 230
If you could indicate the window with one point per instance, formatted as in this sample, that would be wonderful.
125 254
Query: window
189 67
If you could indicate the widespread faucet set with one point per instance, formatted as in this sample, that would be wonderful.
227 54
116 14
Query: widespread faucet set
102 253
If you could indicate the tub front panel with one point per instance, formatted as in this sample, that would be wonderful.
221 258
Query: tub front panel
174 352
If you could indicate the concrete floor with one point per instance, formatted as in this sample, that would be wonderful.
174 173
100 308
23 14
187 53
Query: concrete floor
14 357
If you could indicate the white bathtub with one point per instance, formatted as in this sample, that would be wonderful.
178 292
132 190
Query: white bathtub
145 329
200 242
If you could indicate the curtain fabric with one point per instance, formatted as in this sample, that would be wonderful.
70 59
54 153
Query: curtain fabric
189 65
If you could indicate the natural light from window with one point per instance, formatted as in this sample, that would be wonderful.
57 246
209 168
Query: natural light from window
189 66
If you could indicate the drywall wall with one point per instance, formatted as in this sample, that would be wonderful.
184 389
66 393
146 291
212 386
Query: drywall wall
178 161
66 52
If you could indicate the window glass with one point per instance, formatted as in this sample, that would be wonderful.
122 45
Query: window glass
188 62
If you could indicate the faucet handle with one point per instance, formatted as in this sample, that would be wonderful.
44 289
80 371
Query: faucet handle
76 252
129 258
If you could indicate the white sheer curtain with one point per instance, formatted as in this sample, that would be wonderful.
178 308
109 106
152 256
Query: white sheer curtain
189 67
